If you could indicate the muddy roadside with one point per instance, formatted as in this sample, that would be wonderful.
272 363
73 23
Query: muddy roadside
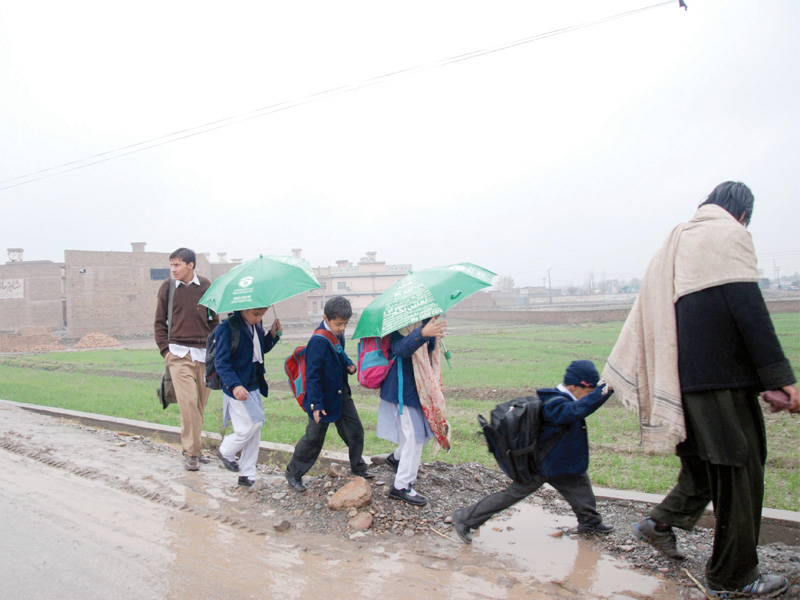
531 547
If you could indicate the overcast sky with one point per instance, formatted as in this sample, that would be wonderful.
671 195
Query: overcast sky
575 152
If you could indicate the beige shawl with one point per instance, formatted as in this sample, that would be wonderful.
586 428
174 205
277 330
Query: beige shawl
428 377
712 249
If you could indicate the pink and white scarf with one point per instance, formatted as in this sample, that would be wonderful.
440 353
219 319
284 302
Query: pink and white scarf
428 377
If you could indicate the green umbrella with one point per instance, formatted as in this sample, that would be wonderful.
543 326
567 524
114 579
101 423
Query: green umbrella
419 295
260 282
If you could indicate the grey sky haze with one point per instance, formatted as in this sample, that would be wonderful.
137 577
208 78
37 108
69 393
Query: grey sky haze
576 152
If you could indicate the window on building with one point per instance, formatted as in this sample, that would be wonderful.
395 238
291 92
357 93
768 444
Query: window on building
341 285
159 274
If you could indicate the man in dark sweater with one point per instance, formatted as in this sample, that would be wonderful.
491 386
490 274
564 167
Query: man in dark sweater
183 346
727 353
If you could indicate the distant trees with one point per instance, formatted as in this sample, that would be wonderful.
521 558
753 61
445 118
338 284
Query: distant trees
504 283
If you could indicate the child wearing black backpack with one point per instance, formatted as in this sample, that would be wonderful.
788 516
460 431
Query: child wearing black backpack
564 467
240 367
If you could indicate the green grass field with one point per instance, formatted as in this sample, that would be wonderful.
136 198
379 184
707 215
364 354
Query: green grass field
490 362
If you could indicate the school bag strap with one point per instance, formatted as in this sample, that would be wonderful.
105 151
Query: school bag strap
334 341
212 378
295 364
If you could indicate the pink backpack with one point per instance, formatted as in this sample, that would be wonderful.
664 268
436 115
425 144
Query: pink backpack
373 361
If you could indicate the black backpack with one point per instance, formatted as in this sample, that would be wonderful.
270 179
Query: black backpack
513 434
213 380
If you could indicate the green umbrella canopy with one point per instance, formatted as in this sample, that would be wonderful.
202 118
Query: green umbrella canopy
419 295
260 282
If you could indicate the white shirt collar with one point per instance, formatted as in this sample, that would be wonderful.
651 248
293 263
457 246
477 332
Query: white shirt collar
563 389
194 281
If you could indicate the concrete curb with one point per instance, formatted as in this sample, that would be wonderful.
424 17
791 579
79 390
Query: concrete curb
776 525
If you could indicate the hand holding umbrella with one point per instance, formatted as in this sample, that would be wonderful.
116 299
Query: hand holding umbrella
279 330
437 329
276 331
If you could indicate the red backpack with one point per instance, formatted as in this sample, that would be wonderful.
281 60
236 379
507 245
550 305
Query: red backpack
295 365
373 361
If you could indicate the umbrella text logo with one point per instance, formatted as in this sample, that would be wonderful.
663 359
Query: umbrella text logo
245 282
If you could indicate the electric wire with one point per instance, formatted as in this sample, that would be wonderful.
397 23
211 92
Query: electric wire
314 97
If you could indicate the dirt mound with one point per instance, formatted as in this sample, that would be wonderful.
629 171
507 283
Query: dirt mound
96 340
26 347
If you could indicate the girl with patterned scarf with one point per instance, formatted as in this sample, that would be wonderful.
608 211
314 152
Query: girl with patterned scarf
412 407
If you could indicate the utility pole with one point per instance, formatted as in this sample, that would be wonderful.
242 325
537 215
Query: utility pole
549 286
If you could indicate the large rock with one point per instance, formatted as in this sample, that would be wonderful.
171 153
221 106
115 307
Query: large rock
361 522
355 494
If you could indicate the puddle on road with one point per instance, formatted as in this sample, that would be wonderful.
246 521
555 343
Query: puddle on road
515 558
527 532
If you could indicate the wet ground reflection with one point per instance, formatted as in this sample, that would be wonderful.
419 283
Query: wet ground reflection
533 536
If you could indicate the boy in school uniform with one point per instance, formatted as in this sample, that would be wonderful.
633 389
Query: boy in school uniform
565 409
243 384
328 399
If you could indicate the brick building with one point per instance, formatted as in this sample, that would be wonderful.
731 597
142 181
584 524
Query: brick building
31 293
115 292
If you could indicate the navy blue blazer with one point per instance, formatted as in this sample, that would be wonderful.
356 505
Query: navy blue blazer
570 456
326 377
404 348
238 368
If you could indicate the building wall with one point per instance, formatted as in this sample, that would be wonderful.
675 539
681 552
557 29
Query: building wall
360 283
115 292
31 294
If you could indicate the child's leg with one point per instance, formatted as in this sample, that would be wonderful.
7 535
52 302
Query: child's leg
484 509
352 433
308 448
577 490
245 438
409 452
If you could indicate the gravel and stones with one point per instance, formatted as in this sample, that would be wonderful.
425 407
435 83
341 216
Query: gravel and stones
451 486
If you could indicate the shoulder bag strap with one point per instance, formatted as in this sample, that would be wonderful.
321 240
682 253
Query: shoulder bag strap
170 302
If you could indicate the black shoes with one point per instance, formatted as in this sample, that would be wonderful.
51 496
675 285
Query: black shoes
406 496
231 465
596 528
246 481
766 586
464 532
392 462
663 541
365 473
296 483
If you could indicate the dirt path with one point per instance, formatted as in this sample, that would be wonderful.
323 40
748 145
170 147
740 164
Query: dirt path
95 514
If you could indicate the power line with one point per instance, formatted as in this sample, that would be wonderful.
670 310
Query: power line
286 105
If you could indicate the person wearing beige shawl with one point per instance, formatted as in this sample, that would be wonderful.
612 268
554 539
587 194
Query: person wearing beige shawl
695 351
412 407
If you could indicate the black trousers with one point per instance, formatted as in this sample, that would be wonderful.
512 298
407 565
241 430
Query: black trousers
576 489
724 426
350 429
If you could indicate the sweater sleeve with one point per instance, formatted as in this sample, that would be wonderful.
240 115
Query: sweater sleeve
160 325
746 304
404 347
563 411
